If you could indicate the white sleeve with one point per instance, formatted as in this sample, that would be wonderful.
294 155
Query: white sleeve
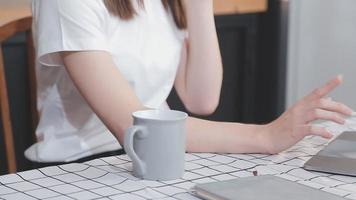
68 25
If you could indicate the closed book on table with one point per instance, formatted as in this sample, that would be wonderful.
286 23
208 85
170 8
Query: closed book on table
265 187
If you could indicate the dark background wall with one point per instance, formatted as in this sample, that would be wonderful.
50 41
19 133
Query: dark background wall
254 76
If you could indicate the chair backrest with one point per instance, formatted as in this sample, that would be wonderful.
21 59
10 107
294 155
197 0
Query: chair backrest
7 30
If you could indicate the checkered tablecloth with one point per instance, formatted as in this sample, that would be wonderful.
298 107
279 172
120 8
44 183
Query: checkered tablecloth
111 177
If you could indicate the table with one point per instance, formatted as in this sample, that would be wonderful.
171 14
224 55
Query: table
111 178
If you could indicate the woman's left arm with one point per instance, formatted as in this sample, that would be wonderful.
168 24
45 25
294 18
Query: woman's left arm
200 73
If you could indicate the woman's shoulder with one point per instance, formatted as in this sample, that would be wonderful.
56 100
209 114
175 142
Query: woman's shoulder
68 7
69 3
68 25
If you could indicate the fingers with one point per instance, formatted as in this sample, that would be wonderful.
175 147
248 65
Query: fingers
330 105
319 114
316 130
325 89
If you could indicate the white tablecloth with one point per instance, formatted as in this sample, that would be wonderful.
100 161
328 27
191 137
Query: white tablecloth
111 178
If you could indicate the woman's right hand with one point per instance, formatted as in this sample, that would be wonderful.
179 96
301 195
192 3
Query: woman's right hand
296 123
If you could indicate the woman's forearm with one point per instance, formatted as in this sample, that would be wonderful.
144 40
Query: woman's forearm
204 67
279 135
225 137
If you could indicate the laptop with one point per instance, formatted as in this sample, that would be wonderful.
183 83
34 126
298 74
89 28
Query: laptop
266 187
338 157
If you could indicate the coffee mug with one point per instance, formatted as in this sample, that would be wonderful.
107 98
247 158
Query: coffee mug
156 144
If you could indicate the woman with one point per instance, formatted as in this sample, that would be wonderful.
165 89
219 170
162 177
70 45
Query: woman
104 59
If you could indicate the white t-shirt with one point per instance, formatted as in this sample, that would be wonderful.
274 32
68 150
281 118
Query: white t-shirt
145 49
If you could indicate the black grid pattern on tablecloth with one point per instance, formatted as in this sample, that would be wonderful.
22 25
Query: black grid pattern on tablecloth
110 177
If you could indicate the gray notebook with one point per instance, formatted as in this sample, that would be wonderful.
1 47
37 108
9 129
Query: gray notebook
338 157
265 187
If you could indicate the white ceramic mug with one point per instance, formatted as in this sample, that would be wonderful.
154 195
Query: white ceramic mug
156 144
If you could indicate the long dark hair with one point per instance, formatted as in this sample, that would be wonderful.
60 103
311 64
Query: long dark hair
125 10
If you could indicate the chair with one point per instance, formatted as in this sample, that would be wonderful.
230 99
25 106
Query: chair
8 29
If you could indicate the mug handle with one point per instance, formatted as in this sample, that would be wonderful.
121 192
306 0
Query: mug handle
128 146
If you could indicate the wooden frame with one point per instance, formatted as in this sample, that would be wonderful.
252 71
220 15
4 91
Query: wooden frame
8 30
